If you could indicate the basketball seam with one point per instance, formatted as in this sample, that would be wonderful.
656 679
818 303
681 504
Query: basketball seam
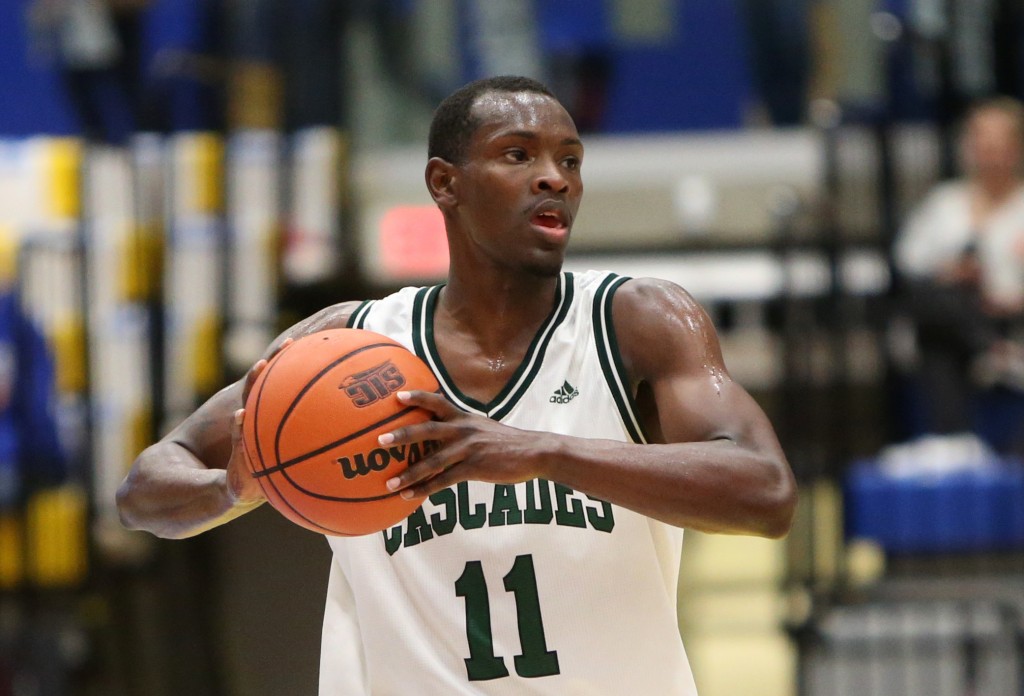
320 450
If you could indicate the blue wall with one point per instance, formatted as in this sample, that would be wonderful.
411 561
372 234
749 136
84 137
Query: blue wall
31 100
695 77
699 79
31 92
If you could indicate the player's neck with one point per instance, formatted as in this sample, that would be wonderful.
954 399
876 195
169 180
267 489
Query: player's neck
483 331
498 309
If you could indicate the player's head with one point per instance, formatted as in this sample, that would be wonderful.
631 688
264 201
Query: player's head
992 142
505 171
454 120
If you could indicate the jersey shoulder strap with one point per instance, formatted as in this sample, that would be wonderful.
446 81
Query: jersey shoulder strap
605 285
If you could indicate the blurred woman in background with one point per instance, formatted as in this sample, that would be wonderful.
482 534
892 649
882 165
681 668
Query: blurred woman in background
960 256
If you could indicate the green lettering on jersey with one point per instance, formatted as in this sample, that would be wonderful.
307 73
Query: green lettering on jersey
446 499
452 507
604 521
482 664
536 660
534 513
417 528
505 506
568 511
392 539
470 520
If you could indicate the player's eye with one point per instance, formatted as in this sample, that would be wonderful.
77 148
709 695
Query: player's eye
516 155
572 163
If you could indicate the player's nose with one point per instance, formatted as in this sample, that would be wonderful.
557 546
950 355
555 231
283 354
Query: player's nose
550 178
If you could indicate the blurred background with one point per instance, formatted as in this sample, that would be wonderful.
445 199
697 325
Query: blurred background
182 179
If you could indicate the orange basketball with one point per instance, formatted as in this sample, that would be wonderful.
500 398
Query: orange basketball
311 424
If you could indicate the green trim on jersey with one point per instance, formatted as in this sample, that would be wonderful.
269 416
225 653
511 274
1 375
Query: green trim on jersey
357 319
611 360
418 330
423 341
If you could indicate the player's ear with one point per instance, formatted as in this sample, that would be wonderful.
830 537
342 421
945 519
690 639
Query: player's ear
441 175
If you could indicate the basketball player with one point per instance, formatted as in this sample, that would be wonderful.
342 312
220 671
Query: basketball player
586 420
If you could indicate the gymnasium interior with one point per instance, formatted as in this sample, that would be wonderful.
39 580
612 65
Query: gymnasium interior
183 179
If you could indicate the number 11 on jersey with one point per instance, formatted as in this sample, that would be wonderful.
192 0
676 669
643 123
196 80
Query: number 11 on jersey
482 664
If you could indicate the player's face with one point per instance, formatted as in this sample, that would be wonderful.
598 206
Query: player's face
520 186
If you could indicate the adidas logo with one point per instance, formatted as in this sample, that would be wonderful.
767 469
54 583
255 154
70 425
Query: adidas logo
564 394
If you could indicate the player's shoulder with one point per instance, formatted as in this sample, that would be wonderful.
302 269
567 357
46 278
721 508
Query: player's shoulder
655 300
335 316
340 315
640 300
658 323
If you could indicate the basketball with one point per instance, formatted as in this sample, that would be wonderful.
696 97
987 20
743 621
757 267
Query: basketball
312 419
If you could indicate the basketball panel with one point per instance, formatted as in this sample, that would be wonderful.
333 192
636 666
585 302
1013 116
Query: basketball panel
348 398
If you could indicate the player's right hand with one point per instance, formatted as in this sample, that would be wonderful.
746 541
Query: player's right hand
243 487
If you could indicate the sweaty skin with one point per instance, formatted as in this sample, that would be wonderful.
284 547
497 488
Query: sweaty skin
715 463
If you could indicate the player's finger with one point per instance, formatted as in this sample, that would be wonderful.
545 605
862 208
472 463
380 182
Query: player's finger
261 364
434 402
437 463
418 432
445 479
237 441
250 377
237 418
241 483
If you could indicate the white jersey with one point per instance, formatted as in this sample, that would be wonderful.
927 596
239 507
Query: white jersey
513 589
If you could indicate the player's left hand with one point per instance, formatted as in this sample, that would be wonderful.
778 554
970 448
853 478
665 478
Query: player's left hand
472 447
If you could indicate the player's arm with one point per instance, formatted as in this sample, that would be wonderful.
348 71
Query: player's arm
195 478
714 462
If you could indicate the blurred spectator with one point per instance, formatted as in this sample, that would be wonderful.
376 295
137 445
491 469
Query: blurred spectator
960 257
30 452
95 45
779 36
31 458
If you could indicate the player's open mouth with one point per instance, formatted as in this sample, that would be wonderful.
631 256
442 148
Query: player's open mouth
549 220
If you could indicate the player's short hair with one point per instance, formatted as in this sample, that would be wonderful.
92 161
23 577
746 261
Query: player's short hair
453 124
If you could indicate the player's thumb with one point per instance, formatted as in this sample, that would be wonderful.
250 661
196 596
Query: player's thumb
243 486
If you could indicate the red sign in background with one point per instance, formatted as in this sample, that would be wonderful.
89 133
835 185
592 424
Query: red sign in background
413 243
